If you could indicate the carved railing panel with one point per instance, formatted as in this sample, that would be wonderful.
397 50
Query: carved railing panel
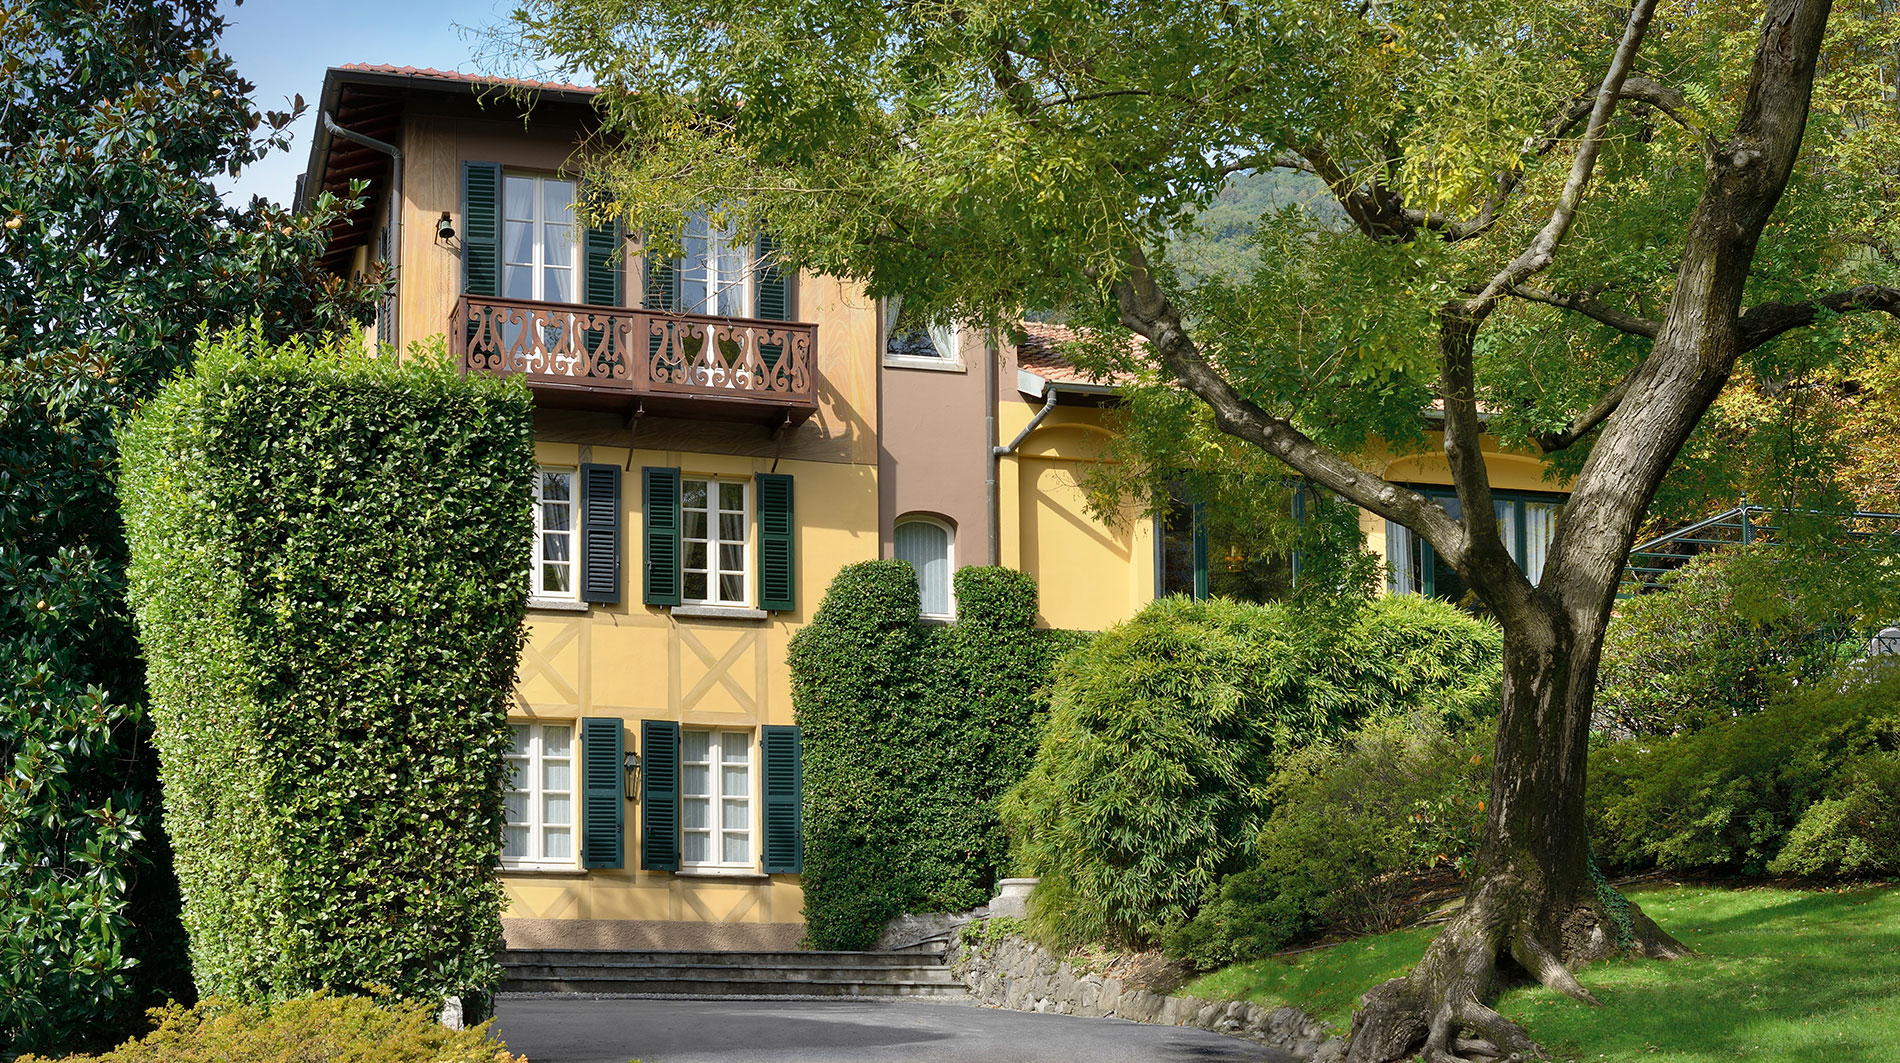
637 351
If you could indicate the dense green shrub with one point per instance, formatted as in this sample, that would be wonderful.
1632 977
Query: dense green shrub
1351 821
114 119
911 732
1730 630
1153 781
315 1029
1736 794
1854 832
326 573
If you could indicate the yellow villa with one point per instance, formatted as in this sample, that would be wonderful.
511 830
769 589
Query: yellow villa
715 439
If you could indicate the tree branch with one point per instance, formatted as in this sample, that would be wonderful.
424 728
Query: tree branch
1551 442
1147 311
1544 247
1764 321
1587 304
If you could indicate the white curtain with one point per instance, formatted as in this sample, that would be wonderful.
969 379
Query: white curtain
1540 525
926 545
1401 550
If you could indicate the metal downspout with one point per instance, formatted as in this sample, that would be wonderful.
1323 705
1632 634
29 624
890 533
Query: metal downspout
996 458
395 200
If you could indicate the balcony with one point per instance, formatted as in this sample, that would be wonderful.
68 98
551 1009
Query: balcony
627 360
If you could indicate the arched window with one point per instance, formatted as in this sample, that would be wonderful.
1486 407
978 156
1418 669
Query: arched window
927 543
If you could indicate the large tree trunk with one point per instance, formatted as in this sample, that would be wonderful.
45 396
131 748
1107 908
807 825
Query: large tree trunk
1535 908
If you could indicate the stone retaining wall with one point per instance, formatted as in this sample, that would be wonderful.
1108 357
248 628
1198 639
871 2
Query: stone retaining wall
1013 972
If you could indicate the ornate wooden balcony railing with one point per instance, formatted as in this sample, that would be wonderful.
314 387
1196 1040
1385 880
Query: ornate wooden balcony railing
688 365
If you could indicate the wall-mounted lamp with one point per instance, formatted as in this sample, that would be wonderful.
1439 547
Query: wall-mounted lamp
633 776
445 227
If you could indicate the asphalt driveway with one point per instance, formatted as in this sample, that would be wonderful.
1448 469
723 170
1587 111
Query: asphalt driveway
549 1030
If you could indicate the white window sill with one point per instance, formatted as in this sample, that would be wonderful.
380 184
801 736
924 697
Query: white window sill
518 869
906 361
719 612
739 874
557 605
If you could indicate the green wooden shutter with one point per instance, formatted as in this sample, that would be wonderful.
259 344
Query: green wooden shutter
600 533
777 585
603 800
481 228
602 285
773 299
661 505
1200 551
659 795
784 787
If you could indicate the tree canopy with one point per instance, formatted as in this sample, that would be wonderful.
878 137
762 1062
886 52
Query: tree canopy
115 250
1568 225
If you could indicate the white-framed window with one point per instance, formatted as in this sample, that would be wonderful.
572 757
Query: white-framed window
539 802
540 250
718 269
716 798
929 545
551 570
932 347
715 529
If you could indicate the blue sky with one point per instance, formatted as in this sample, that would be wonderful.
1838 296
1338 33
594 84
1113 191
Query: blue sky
284 46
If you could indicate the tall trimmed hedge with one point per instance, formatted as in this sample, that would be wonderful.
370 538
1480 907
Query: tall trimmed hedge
326 571
911 734
1152 782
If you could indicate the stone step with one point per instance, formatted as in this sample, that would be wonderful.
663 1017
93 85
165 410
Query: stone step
739 974
733 987
854 960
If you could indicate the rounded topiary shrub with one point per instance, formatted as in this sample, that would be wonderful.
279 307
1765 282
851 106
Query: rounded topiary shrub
1153 780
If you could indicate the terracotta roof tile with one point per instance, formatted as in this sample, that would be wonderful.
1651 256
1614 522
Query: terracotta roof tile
432 74
1040 352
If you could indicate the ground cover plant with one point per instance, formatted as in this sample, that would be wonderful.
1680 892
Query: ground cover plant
1778 975
326 573
319 1028
115 248
911 733
1155 777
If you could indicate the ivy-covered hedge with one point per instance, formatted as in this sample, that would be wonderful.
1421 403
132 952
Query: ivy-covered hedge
1154 779
911 733
326 572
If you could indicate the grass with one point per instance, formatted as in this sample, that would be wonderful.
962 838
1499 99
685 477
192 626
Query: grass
1780 976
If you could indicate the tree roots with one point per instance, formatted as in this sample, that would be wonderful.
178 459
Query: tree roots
1438 1012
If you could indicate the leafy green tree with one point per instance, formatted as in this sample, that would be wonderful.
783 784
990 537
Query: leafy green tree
1577 217
114 248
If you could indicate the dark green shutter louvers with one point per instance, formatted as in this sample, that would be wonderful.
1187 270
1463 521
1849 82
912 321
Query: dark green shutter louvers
773 301
784 788
777 585
660 582
603 801
481 228
659 795
602 284
600 533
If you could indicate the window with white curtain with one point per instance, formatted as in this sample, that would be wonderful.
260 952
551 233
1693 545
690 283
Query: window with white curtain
716 798
927 545
540 252
717 270
538 800
551 568
1527 522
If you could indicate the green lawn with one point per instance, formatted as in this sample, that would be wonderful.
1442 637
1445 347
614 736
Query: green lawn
1780 976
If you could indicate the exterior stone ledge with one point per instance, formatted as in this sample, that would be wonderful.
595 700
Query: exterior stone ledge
1015 973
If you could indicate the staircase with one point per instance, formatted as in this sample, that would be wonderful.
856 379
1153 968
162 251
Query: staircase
909 975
